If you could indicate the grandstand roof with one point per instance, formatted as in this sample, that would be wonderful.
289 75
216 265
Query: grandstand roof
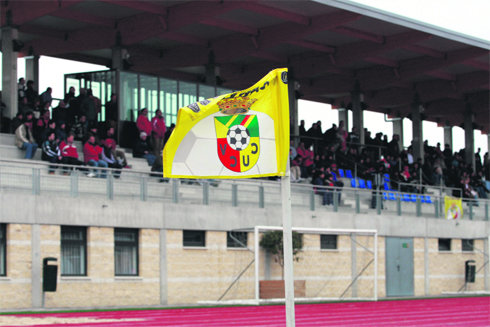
331 45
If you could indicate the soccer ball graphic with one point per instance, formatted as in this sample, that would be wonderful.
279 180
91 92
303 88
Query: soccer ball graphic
238 137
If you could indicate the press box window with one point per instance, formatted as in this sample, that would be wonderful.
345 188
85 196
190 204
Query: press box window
73 251
467 245
3 250
444 244
194 238
328 242
236 239
126 252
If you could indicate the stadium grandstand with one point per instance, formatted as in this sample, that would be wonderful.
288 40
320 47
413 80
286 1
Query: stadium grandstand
373 216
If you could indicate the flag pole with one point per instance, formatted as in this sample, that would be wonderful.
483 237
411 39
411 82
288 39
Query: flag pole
287 236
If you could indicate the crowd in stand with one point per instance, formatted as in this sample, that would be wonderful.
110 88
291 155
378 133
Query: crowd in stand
76 119
320 154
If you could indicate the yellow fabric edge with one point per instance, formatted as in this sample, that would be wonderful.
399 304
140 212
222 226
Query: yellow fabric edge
221 177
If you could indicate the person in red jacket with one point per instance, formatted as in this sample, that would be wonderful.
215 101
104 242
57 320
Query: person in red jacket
143 124
69 152
92 156
158 132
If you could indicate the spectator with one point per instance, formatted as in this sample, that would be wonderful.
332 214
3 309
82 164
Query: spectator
80 127
143 150
21 95
24 137
92 153
69 152
108 157
17 121
60 112
326 195
158 132
61 131
306 162
169 131
143 123
88 107
40 126
112 144
32 97
51 128
111 112
46 98
51 151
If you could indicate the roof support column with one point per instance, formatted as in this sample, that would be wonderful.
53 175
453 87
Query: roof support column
9 71
293 105
357 114
32 69
398 130
469 139
417 135
118 54
448 136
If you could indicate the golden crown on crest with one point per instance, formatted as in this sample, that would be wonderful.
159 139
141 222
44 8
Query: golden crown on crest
238 105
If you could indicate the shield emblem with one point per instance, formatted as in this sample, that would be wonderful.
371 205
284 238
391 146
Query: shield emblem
238 141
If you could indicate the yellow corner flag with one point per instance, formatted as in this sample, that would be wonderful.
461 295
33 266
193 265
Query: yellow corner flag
238 135
453 207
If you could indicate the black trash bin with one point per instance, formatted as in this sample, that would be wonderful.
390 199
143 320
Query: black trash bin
50 275
469 271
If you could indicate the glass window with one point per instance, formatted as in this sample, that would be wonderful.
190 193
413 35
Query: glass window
206 92
236 239
467 245
125 252
3 249
187 93
149 94
73 251
129 96
328 242
168 99
194 238
221 91
444 244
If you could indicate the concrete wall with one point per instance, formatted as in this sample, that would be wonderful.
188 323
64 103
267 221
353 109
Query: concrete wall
173 274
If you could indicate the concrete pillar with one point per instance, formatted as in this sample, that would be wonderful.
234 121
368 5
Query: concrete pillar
36 269
9 71
469 138
163 267
448 136
398 129
344 116
293 87
118 54
357 114
32 71
211 70
417 135
353 249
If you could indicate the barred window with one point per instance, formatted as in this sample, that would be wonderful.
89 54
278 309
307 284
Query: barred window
468 245
73 251
3 250
328 242
236 239
126 252
196 238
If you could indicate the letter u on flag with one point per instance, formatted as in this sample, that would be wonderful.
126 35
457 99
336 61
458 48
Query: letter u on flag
238 135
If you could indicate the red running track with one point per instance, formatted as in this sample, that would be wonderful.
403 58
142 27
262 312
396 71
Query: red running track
471 311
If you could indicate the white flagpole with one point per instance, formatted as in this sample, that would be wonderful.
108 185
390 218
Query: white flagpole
288 246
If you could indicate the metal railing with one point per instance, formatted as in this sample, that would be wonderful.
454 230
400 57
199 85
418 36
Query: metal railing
34 178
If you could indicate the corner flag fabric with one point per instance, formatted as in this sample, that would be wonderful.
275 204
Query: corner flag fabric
238 135
453 207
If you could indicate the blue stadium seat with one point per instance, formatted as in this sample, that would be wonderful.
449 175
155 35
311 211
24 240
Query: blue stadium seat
353 183
369 184
406 198
385 196
341 173
334 176
386 177
391 196
428 199
413 197
348 173
386 187
361 183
